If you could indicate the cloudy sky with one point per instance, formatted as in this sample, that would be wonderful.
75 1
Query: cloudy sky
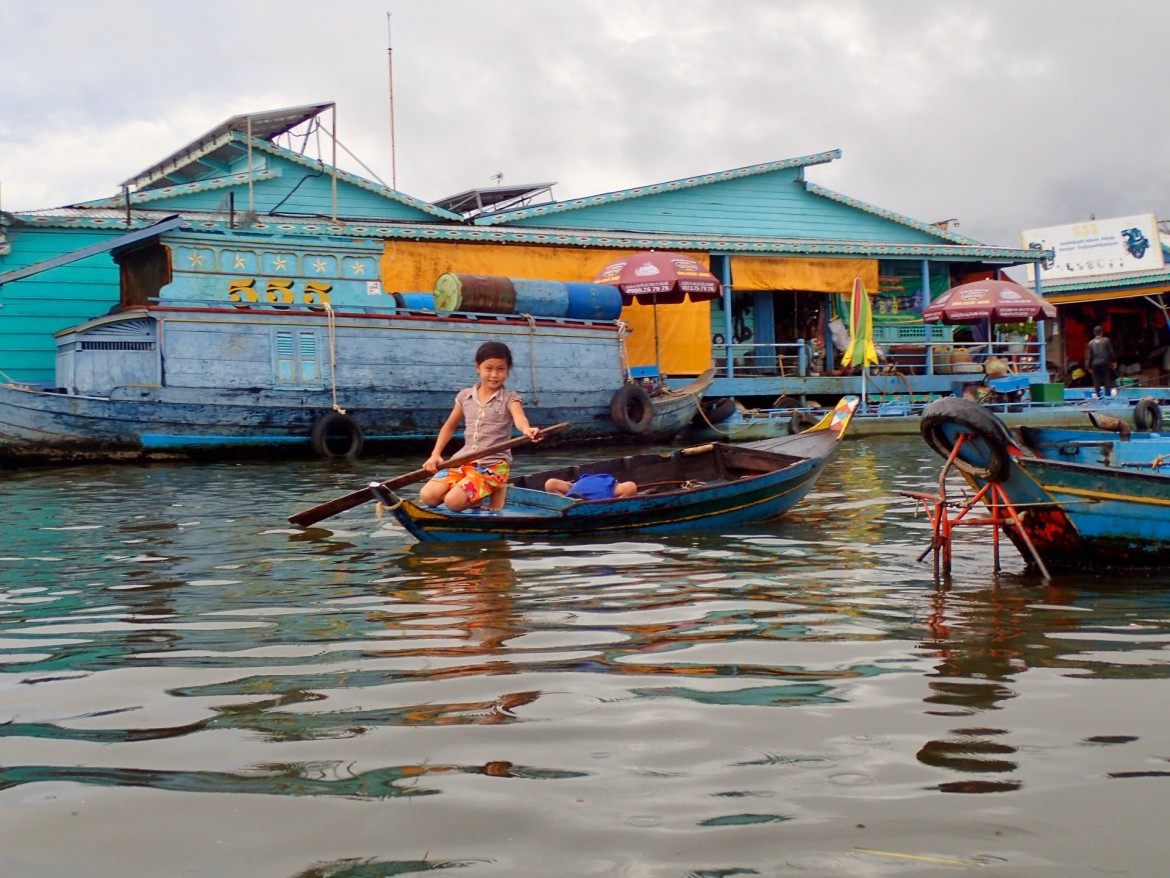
1002 114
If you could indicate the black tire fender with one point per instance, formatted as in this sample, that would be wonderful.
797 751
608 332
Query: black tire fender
337 435
717 410
801 421
985 454
1147 415
631 409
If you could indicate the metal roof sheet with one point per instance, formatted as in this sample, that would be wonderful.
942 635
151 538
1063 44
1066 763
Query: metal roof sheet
503 197
264 125
729 244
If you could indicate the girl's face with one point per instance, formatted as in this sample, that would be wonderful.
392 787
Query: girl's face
492 372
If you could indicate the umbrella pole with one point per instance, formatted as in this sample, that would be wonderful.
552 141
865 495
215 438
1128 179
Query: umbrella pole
864 381
657 352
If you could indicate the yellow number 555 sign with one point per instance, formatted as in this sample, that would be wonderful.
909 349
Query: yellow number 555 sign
279 292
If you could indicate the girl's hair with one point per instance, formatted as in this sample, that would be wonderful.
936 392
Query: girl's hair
494 350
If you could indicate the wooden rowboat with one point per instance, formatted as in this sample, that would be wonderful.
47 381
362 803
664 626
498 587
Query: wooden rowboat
705 486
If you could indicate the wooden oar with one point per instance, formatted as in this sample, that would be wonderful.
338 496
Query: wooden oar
365 495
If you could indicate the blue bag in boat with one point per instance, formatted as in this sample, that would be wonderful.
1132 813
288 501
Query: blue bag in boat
596 486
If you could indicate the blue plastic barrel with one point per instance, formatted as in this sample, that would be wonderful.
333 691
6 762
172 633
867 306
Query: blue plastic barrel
594 301
415 301
541 298
581 301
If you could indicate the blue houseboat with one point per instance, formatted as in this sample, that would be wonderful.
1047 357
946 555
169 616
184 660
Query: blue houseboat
232 343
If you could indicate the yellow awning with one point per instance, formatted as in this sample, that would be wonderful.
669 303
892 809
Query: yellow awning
756 273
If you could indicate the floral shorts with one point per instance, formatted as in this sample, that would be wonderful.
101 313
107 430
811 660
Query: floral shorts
477 482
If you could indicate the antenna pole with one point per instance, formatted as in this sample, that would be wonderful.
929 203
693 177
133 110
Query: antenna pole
390 65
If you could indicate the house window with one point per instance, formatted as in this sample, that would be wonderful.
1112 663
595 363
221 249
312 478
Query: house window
297 358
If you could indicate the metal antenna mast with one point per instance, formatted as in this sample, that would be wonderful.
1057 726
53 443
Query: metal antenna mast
390 63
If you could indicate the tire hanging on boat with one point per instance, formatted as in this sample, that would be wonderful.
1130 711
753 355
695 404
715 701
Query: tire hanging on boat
631 409
336 435
989 438
718 410
1147 415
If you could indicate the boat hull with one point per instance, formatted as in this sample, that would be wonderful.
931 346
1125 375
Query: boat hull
766 499
198 401
702 487
1073 514
759 424
44 427
39 427
1105 516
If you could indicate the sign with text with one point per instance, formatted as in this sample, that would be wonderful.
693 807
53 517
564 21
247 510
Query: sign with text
1095 247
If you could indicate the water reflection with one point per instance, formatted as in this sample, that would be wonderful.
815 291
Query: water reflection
680 704
984 641
291 779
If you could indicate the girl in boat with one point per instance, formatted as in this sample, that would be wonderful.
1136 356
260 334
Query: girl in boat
490 411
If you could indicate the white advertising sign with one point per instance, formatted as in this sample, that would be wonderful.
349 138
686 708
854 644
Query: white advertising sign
1105 246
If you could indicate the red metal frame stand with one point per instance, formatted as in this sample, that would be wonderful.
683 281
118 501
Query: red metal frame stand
1002 514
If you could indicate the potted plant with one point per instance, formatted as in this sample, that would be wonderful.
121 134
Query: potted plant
1018 334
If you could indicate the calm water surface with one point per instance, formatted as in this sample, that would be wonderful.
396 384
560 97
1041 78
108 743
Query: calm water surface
190 687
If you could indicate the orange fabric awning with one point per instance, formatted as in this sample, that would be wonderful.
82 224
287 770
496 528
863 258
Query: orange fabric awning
757 273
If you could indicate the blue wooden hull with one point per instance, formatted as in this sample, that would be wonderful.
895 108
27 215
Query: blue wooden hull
1103 516
1137 451
703 487
1075 514
185 383
41 427
896 419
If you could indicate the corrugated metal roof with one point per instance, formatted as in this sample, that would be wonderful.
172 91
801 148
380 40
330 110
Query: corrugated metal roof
501 197
729 244
264 125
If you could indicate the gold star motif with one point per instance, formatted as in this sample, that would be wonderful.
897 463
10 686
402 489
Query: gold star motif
359 268
196 260
319 265
240 261
279 263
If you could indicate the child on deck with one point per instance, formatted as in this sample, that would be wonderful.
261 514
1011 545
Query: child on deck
490 411
597 486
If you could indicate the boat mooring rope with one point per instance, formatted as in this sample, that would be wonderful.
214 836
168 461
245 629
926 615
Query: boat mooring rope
532 354
623 329
331 322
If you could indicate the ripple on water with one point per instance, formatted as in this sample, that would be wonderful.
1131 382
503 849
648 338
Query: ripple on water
173 655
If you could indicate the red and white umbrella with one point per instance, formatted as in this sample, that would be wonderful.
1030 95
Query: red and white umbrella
993 301
660 278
